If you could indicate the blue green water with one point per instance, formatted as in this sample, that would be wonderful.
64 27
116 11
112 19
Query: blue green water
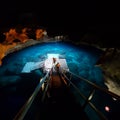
16 87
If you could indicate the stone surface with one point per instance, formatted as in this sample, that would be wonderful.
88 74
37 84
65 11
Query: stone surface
111 71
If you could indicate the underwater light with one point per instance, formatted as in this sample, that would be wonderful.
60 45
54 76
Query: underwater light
107 108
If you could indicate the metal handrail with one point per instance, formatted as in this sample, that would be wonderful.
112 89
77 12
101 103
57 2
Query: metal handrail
21 114
46 89
87 99
96 86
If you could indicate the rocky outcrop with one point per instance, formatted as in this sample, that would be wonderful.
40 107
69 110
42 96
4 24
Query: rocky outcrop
24 34
110 64
16 39
4 49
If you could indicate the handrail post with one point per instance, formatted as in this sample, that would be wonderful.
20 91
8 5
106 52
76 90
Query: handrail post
88 98
70 79
46 89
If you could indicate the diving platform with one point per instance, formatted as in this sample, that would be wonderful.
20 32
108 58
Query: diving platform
49 63
29 66
46 65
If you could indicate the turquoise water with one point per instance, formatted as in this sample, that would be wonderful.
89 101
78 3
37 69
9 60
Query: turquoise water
16 87
80 60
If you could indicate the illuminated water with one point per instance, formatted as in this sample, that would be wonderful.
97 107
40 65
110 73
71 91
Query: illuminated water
16 87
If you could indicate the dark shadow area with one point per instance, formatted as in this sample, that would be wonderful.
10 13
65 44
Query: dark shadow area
14 95
63 106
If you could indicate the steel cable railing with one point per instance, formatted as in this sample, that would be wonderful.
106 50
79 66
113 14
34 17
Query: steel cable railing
96 86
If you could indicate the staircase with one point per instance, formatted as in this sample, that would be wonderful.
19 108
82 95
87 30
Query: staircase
57 99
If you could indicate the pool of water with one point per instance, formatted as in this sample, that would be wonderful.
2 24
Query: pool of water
16 87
